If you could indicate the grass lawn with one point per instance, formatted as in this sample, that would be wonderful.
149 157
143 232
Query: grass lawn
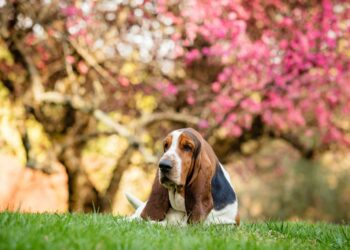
95 231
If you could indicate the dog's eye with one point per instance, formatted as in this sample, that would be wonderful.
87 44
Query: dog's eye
166 146
187 148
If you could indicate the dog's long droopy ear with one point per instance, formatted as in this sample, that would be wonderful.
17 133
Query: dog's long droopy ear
158 203
198 197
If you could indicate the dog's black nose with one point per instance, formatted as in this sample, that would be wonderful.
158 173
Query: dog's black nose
165 165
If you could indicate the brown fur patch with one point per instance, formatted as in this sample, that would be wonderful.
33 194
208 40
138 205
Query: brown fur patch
198 198
158 203
167 142
186 156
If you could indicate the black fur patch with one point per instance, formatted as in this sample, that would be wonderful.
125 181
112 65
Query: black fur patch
221 190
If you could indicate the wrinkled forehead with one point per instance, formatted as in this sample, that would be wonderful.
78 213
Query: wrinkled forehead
187 134
194 134
173 136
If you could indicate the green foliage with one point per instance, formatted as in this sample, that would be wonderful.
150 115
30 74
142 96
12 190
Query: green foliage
5 55
305 192
95 231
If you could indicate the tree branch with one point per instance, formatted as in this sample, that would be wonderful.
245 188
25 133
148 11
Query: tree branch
211 130
120 129
295 142
35 78
92 62
169 116
107 200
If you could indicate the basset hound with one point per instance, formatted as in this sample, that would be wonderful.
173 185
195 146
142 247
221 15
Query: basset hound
190 186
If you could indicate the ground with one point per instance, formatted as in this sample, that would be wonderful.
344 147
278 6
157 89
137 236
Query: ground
96 231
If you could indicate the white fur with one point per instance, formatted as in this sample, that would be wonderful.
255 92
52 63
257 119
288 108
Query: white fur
174 217
227 215
136 203
227 176
177 202
137 214
171 153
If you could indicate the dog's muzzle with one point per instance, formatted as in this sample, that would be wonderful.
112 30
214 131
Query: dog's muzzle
165 166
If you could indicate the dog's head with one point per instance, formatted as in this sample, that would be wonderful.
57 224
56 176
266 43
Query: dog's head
181 151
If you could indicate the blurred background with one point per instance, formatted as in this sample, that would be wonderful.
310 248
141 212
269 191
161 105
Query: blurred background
88 90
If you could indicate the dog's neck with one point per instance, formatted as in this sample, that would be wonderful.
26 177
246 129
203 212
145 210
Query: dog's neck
177 199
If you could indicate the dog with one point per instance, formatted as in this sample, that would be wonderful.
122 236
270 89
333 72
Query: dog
191 185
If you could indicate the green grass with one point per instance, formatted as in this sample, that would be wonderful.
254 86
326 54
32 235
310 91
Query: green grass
95 231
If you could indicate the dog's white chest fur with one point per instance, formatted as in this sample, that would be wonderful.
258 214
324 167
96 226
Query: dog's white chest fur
177 202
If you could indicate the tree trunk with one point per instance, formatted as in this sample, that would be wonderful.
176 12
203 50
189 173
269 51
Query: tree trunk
107 200
83 196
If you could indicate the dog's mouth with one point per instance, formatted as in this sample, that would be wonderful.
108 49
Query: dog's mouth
168 183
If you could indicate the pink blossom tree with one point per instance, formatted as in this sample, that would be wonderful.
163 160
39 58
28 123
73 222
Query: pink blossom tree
282 65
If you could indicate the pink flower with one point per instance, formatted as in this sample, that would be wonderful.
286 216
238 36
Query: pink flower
70 59
251 106
322 116
82 67
190 100
235 130
171 89
123 81
232 118
70 11
225 102
203 124
296 117
192 56
167 88
216 87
